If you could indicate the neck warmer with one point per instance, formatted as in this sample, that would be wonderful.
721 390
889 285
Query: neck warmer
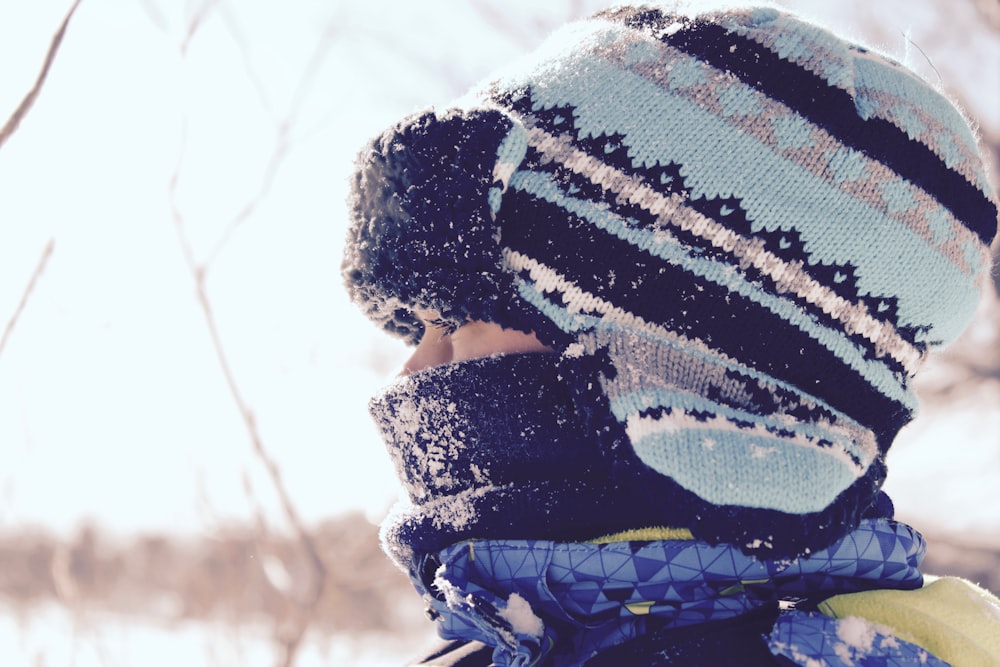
521 446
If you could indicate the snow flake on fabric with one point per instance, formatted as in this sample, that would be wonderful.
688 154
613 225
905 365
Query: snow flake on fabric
815 640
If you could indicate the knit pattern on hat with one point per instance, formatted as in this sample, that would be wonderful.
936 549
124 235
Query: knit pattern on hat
754 228
762 227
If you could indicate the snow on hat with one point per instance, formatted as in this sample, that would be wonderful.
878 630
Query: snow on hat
758 228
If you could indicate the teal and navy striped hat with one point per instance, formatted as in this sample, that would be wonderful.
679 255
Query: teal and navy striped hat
757 228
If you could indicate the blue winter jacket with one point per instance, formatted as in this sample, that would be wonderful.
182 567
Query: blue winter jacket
521 603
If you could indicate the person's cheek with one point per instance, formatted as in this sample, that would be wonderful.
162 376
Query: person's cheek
434 349
483 339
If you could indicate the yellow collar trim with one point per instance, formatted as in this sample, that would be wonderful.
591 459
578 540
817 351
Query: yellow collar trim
651 534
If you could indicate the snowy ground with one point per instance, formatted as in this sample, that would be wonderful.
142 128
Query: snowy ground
55 636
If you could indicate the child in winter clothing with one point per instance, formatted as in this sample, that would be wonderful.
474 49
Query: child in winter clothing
727 241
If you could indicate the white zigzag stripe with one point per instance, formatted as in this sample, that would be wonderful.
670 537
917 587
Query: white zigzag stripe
788 276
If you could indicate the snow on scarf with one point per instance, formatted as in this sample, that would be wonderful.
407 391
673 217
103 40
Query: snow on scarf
531 599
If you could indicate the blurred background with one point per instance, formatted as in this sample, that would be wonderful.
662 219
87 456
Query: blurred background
188 474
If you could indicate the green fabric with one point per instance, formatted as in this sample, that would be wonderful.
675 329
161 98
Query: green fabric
954 619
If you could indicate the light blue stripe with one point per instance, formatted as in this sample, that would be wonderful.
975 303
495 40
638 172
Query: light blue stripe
683 133
874 372
632 403
791 479
561 317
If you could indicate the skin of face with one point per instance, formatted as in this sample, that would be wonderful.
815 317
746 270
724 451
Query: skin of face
472 340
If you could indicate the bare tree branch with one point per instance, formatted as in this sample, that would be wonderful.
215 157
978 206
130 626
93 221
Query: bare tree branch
39 269
281 146
239 38
29 100
200 14
304 604
283 141
155 15
989 10
502 23
305 539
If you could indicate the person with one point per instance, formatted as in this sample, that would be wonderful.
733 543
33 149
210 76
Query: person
669 280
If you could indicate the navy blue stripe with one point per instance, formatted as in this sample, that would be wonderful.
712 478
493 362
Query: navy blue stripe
688 305
831 108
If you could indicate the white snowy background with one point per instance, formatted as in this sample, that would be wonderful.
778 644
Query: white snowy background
179 355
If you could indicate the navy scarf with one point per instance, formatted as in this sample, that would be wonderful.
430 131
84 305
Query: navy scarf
524 447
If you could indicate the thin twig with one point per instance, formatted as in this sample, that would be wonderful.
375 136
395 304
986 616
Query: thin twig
197 19
989 12
283 141
239 38
501 22
154 14
291 639
278 155
304 537
29 100
39 269
909 43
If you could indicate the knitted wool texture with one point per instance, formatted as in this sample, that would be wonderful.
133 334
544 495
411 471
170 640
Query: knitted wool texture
754 229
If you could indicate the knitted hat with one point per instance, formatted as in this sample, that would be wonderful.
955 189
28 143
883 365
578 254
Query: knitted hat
754 229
